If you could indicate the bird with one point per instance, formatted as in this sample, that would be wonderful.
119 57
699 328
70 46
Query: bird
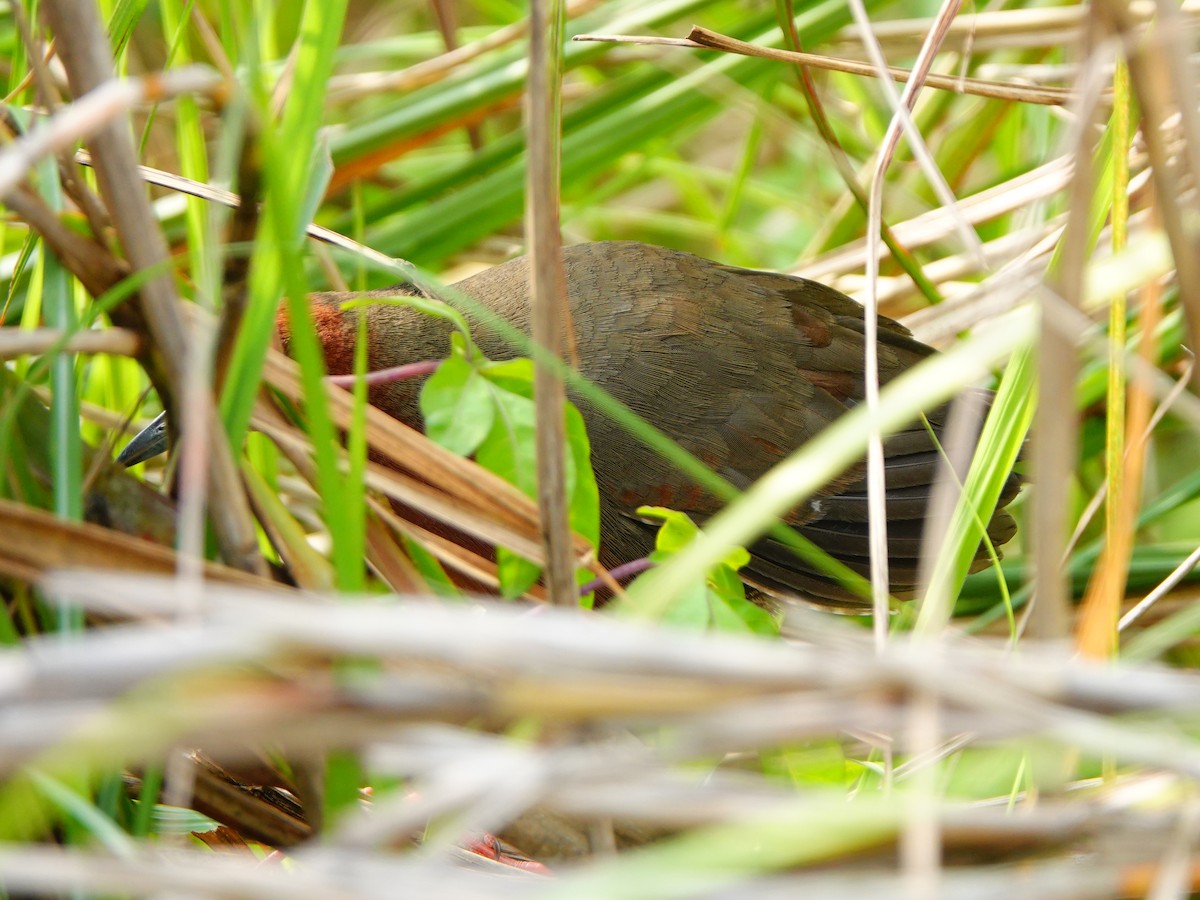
739 366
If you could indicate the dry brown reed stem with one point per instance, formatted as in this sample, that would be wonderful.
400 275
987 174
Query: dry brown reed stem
85 52
479 502
1005 29
344 88
703 39
261 667
385 557
93 113
611 668
550 316
457 875
23 341
89 261
938 224
900 123
1097 634
841 161
37 542
258 668
1055 422
228 198
1163 83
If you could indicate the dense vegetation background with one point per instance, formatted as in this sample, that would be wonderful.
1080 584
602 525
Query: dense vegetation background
1046 214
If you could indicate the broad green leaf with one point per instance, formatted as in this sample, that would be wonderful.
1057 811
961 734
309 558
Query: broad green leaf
678 530
517 574
692 609
512 375
720 602
582 492
731 610
458 406
508 448
486 408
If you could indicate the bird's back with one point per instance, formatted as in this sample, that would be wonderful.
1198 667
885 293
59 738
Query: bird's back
739 367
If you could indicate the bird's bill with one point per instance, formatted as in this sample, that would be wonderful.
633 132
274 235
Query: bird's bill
146 444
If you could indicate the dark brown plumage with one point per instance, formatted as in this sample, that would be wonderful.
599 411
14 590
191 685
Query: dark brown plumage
740 367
